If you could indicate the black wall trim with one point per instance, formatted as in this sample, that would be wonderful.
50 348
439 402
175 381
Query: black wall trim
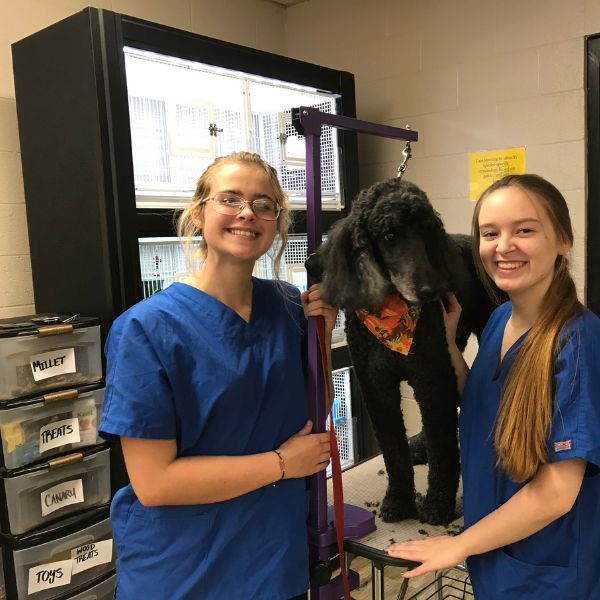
592 234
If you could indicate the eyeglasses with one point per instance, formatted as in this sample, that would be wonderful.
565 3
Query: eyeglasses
227 203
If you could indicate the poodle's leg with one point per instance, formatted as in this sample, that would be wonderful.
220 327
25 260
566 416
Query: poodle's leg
436 392
383 404
379 371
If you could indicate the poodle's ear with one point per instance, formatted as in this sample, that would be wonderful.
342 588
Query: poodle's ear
351 278
339 276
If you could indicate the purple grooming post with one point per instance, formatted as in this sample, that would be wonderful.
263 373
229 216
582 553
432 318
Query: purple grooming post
358 521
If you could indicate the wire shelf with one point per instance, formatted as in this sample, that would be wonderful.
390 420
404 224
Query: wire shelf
450 584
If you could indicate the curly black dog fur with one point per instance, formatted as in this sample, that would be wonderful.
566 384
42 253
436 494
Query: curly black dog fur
394 240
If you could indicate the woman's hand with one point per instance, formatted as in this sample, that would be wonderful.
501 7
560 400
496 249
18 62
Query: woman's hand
434 553
451 310
305 453
314 306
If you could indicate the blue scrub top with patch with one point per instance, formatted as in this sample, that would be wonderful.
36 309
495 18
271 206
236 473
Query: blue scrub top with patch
181 365
562 560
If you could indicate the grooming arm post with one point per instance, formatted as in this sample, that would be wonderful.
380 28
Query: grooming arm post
308 121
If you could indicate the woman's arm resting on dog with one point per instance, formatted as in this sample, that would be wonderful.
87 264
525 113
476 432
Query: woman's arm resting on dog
451 310
548 496
314 306
160 477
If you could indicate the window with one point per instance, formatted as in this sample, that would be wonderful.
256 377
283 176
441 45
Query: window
184 114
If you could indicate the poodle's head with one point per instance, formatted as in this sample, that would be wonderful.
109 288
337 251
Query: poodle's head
392 239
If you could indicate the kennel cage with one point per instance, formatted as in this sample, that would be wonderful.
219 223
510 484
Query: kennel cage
184 114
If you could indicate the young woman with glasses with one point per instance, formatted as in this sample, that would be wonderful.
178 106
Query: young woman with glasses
205 387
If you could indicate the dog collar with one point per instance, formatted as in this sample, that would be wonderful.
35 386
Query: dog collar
393 323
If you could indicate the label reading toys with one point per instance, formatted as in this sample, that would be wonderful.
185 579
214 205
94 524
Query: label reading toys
50 364
51 575
91 555
58 434
63 494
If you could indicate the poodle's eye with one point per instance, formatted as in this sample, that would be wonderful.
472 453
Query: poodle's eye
389 236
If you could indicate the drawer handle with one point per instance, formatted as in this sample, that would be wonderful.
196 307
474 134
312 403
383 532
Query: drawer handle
62 395
62 461
55 329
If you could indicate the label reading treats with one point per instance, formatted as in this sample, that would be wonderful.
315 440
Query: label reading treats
50 364
63 494
91 555
48 576
58 434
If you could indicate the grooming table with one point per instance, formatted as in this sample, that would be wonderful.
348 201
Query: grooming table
364 486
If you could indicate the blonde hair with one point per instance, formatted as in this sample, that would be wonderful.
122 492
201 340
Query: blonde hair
527 402
193 213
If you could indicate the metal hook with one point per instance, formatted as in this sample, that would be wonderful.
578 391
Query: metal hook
407 154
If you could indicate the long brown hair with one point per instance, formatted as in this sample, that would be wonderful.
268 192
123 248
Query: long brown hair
527 402
193 213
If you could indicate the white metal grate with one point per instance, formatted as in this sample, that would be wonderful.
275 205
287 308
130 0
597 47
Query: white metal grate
341 412
162 262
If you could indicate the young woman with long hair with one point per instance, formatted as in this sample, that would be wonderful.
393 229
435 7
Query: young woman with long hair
530 412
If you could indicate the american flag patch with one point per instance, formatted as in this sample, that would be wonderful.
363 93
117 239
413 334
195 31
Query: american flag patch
562 446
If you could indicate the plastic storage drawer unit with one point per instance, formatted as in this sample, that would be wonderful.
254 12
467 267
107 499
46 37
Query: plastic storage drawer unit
56 561
43 353
39 428
37 495
103 590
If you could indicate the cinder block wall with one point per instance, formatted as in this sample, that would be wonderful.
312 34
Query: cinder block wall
469 75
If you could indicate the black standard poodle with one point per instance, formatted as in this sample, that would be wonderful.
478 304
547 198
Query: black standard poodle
393 241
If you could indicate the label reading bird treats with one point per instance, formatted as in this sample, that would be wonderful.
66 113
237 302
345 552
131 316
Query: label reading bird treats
91 555
50 364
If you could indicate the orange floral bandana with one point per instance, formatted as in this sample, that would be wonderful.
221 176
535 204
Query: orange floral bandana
393 323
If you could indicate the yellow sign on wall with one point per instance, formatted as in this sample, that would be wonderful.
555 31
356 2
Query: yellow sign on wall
491 165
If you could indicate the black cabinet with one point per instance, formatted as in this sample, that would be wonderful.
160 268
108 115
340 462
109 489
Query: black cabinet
74 127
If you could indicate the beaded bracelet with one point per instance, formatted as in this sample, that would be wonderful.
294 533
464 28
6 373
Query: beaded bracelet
281 464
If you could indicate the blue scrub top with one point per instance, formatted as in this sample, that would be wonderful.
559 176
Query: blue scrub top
561 561
181 365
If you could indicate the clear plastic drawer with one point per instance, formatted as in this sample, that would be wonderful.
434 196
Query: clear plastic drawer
103 590
60 560
37 495
43 427
36 357
56 567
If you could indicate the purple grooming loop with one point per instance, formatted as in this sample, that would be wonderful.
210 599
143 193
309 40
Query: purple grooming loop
358 521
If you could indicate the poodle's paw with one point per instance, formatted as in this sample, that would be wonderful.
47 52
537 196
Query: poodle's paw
394 509
435 513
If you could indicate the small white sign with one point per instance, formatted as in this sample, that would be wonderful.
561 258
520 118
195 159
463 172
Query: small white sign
63 494
91 555
49 364
51 575
59 433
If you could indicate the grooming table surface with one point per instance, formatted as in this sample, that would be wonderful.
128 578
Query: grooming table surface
365 485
